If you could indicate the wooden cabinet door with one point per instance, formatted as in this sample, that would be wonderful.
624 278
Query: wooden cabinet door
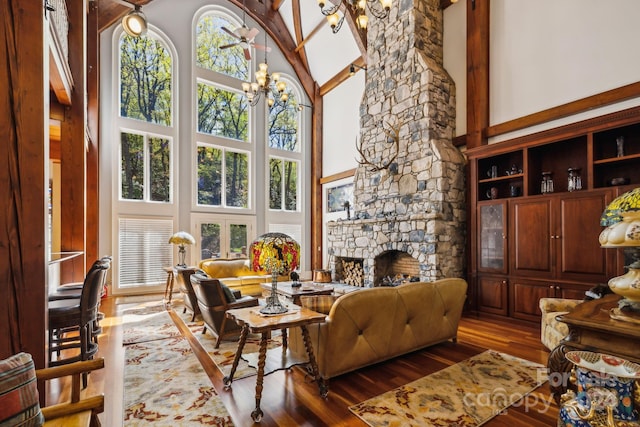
493 295
492 237
531 231
524 298
580 256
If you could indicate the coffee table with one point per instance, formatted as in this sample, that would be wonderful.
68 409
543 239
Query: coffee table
252 321
294 293
592 329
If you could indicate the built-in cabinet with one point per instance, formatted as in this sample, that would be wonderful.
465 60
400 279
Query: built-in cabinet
537 202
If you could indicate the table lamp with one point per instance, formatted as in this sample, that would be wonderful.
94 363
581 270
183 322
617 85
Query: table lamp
182 238
275 253
622 219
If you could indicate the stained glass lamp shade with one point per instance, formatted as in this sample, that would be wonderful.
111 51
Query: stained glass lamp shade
275 253
622 218
182 238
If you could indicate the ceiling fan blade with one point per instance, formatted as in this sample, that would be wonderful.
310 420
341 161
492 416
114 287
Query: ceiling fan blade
261 47
247 54
226 46
228 31
252 33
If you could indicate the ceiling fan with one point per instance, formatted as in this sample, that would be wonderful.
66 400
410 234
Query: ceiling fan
245 37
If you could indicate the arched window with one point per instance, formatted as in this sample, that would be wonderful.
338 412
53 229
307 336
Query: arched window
146 95
210 37
144 133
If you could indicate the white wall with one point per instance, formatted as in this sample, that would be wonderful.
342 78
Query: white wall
546 53
341 125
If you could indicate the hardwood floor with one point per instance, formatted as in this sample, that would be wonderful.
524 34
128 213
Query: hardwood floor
291 399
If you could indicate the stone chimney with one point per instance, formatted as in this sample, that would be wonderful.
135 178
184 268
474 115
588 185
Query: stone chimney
416 203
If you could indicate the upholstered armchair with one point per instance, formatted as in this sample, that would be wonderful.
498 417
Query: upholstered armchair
214 299
182 277
551 330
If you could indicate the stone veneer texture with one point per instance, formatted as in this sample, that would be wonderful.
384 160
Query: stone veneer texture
417 205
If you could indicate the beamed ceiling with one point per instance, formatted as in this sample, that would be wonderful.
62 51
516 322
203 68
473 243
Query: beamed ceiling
297 27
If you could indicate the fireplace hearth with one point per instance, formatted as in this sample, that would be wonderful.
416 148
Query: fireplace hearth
416 205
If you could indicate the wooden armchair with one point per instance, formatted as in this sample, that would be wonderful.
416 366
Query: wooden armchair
20 398
214 301
78 411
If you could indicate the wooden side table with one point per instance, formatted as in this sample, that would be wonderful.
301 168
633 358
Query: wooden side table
592 329
252 321
168 290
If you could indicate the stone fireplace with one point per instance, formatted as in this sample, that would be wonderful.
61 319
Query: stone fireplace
414 204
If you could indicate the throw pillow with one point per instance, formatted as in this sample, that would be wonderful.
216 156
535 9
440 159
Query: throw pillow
227 293
19 404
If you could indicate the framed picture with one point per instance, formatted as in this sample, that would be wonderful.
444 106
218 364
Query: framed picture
337 196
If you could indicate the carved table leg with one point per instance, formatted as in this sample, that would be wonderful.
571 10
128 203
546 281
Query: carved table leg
243 338
312 361
285 342
559 371
262 356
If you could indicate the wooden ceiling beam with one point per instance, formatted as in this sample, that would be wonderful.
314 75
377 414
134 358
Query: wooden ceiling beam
342 75
297 27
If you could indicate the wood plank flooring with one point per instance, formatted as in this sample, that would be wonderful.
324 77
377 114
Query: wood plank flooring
291 399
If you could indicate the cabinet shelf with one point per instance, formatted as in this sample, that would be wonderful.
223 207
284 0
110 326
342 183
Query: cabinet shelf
502 178
616 159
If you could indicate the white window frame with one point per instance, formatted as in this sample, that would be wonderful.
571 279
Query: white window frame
141 208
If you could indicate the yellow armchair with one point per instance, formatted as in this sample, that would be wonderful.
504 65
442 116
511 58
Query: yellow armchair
552 331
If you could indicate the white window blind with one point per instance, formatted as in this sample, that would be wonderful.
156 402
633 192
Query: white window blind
143 251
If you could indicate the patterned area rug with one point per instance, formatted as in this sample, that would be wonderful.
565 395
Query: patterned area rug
467 394
165 385
147 322
223 356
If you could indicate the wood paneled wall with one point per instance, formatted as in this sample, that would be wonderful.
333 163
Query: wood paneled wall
23 188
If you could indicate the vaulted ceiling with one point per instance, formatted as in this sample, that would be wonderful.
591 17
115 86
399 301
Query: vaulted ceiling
302 33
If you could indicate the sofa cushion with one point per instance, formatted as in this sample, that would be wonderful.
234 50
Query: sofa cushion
19 404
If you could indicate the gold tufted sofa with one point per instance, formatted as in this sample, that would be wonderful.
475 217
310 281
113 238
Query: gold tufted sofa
376 324
237 274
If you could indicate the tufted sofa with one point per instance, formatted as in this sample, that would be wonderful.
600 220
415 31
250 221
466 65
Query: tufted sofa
236 274
376 324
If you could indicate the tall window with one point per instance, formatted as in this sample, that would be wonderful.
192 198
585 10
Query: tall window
223 126
284 160
144 134
145 95
247 160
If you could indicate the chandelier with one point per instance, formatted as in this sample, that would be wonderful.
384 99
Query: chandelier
358 7
267 84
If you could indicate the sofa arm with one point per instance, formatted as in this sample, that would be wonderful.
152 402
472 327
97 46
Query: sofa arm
554 305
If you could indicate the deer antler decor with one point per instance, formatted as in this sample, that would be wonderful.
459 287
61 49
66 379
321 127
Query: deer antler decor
393 137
